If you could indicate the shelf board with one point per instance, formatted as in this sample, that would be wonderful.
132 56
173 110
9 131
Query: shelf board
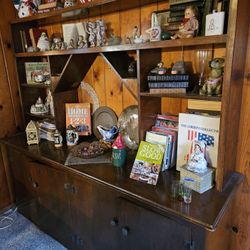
184 96
39 115
37 85
202 40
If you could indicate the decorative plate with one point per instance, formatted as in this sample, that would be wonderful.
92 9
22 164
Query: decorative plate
105 117
128 126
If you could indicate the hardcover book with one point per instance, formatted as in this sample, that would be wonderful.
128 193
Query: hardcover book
147 164
159 85
168 91
78 115
192 128
37 72
166 141
168 78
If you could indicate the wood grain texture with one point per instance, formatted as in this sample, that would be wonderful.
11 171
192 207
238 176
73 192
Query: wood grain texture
241 216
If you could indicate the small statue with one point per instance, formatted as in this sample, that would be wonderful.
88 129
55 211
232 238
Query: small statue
71 44
91 30
197 162
81 43
159 70
69 3
38 107
189 25
43 43
213 84
136 37
57 44
100 33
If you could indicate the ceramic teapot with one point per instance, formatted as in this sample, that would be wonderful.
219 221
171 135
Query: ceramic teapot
155 30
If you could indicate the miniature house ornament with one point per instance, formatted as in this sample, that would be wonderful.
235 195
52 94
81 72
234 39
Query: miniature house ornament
32 133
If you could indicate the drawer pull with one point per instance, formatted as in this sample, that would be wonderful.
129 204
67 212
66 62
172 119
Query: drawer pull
35 185
125 231
114 222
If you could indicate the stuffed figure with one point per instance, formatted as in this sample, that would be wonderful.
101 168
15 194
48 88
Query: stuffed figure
26 7
213 84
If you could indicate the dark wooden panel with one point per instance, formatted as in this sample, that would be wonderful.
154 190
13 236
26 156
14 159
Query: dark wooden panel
74 71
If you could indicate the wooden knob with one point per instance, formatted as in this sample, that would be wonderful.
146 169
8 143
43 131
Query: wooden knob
235 229
114 222
125 231
35 185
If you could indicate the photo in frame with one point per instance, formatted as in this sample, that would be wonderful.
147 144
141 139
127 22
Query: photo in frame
162 18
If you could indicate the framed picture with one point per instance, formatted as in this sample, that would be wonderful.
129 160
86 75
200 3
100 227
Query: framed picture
162 17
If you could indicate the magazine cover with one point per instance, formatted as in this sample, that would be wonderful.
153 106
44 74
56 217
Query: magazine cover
197 128
37 72
147 164
78 115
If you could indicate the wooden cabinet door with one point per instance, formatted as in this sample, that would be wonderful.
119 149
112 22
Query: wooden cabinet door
53 201
93 209
22 179
141 228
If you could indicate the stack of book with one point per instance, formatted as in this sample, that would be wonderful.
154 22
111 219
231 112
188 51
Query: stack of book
177 10
168 83
164 132
46 130
50 6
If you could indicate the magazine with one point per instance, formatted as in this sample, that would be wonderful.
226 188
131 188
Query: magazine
147 164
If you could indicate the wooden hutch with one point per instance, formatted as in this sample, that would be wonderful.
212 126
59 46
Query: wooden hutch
97 206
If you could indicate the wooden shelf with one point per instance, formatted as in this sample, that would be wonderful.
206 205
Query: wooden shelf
40 115
202 40
38 85
184 96
90 9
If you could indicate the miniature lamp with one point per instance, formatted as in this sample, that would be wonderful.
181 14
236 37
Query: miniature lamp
32 133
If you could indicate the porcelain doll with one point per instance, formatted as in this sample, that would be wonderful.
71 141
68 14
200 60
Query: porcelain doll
189 25
197 162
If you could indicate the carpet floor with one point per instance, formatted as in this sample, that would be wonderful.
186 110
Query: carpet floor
18 233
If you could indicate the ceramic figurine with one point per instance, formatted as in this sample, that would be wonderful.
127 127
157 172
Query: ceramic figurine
43 43
71 44
26 7
159 70
57 44
155 30
197 162
38 107
71 136
108 134
91 30
81 43
69 3
189 26
137 38
49 103
213 84
100 33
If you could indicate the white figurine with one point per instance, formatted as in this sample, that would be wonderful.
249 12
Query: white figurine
91 30
43 42
197 162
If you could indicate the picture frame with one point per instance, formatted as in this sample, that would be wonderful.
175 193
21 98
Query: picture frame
162 17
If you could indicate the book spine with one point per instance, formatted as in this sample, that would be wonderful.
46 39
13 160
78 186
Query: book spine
168 91
175 19
155 85
165 78
179 7
177 14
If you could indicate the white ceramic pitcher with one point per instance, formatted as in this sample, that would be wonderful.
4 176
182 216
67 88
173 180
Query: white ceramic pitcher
155 30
